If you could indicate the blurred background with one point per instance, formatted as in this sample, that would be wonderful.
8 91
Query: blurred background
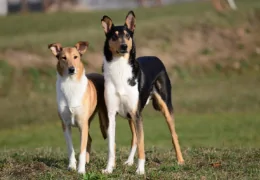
211 49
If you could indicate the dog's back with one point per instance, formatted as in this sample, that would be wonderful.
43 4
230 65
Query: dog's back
98 81
154 78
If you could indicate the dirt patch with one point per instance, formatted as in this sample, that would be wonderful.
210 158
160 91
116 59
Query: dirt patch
23 59
199 45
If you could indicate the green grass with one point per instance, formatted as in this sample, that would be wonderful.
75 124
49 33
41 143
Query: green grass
194 130
201 163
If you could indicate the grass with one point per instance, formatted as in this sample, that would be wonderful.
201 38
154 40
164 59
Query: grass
194 130
217 110
201 163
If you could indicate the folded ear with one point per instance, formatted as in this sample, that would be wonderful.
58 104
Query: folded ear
55 48
82 46
107 24
130 21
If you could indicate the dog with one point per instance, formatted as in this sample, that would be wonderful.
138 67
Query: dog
79 97
130 84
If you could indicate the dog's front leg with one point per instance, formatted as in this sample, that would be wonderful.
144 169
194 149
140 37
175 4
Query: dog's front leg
130 160
83 145
138 122
71 152
111 142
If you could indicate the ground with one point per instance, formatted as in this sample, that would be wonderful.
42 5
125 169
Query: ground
212 60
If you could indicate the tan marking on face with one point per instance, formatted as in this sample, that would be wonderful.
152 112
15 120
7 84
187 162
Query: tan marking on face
128 41
114 46
70 57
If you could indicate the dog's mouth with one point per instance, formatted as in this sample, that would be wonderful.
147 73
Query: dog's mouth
72 73
121 51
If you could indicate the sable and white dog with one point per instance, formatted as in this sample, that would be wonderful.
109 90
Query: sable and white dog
79 97
129 85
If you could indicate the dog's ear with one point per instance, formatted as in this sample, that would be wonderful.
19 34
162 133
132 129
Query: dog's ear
82 47
107 24
55 48
130 21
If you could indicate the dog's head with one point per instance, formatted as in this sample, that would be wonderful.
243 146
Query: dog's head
119 39
69 58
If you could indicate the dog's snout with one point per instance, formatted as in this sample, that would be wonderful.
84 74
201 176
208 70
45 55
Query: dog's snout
123 46
71 70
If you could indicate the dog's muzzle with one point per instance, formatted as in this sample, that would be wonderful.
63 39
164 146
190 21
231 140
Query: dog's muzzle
71 70
123 49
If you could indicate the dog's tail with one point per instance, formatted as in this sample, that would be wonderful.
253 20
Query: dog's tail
103 119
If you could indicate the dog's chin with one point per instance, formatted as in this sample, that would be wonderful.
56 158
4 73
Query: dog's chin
121 52
71 74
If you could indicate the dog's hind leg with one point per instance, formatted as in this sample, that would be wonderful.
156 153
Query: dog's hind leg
168 114
88 148
162 101
130 160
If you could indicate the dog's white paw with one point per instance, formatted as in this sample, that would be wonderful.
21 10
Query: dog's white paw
181 162
72 166
129 162
81 171
140 171
140 168
107 171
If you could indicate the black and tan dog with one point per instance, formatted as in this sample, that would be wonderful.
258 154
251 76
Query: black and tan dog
129 85
79 97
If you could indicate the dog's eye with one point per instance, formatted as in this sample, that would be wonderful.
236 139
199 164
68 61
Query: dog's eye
75 57
64 58
127 36
114 37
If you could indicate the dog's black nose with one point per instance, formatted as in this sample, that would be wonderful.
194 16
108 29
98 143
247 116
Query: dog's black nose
71 70
123 46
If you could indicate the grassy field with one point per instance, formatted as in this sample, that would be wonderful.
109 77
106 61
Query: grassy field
201 163
217 120
217 109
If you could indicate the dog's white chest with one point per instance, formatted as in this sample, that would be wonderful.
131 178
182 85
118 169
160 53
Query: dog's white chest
70 92
117 73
